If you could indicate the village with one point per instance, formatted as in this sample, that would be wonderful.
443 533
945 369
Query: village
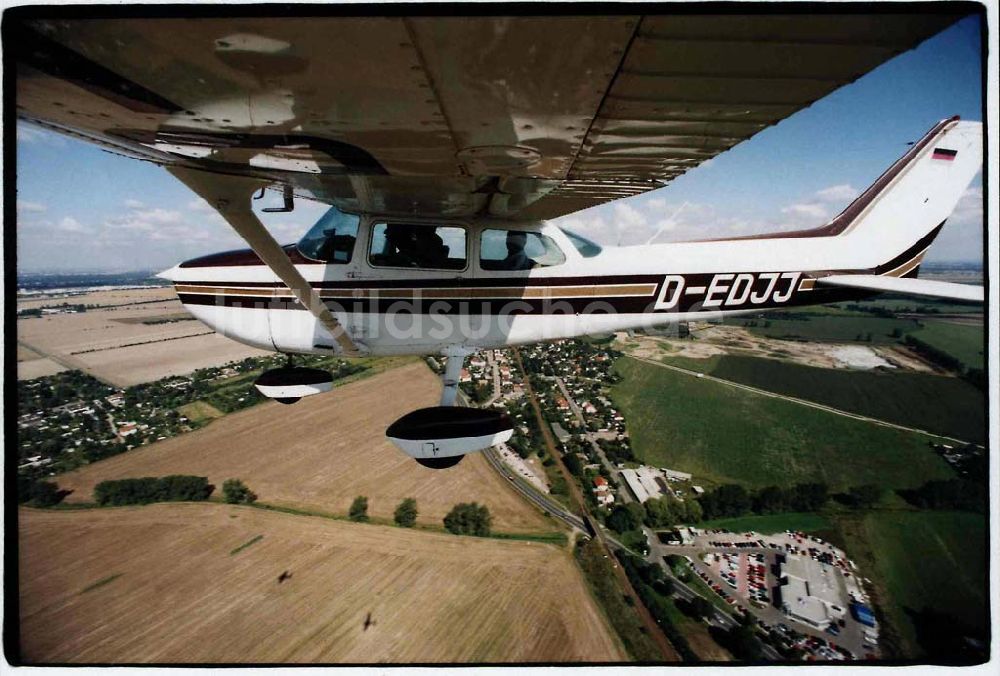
804 595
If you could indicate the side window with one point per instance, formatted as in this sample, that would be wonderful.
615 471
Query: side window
518 250
332 239
411 245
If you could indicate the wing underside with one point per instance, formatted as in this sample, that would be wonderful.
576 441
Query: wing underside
511 117
908 286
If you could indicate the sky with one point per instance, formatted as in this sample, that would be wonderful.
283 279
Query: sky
82 209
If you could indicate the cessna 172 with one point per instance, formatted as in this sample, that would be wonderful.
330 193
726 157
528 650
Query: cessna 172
443 145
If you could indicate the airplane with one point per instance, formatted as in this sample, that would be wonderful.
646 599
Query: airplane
444 147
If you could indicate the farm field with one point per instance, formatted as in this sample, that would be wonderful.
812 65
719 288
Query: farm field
807 522
964 342
104 297
115 345
322 452
938 404
136 364
924 560
834 327
29 369
199 583
722 434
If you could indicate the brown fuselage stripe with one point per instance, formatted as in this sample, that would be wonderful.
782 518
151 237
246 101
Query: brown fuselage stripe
438 293
903 269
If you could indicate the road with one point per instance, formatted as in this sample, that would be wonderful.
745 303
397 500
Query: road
547 504
796 400
541 500
623 492
653 630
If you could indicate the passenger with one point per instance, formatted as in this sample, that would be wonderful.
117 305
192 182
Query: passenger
430 249
516 258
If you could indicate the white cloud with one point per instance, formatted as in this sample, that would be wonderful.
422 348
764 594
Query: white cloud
70 224
29 133
805 210
970 207
134 204
198 204
838 193
32 207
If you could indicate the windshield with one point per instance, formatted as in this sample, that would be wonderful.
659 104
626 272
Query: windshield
586 248
332 239
517 250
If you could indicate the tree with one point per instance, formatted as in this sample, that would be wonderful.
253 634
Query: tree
573 464
359 509
808 497
45 494
692 511
622 519
663 512
865 496
235 492
406 513
769 500
468 518
701 607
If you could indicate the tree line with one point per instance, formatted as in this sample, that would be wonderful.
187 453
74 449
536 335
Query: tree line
729 500
465 518
145 490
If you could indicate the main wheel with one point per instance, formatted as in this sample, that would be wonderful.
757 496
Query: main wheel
440 463
287 400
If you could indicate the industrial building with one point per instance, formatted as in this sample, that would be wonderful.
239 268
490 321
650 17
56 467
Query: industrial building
812 592
644 482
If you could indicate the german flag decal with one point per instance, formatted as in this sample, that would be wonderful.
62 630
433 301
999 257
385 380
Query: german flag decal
944 154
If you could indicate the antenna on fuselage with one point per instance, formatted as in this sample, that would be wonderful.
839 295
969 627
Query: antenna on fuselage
669 221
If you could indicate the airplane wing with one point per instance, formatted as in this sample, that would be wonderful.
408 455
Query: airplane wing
907 286
512 117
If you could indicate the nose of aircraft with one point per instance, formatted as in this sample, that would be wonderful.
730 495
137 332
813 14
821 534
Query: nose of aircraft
170 274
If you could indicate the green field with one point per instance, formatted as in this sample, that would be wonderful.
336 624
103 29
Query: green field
964 342
722 434
199 411
923 559
834 328
807 522
938 404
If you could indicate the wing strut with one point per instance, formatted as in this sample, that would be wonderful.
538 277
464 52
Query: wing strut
230 196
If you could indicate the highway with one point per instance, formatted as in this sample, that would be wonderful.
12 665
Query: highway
539 499
547 504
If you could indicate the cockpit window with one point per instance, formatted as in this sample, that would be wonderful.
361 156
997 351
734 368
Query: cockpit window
332 239
518 250
586 248
414 245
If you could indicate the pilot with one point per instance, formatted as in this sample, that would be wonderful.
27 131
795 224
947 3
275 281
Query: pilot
429 248
516 258
400 246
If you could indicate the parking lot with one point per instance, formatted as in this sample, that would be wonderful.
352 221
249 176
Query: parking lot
744 569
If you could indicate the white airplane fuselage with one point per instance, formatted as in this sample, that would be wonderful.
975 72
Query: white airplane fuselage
387 309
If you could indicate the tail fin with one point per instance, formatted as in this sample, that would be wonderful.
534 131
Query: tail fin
895 220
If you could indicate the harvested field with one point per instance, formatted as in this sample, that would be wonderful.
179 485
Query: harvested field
711 340
26 354
110 297
144 363
36 368
115 345
186 589
322 452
